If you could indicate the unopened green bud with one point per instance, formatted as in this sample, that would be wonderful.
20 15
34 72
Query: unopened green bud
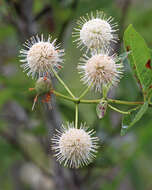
101 109
43 85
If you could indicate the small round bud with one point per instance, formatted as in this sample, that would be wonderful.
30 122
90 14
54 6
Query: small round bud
101 109
43 85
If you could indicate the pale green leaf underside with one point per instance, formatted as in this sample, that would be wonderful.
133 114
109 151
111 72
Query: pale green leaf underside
130 119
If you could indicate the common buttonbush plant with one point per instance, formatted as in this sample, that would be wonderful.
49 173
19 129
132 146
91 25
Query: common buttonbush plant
74 145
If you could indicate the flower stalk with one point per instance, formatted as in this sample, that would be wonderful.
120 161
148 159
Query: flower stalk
117 110
76 115
62 83
96 101
85 92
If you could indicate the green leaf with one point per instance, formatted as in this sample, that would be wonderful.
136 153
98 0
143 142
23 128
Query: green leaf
141 112
125 124
130 119
140 59
123 57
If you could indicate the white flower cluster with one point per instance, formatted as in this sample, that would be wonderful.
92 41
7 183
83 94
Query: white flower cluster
100 69
96 32
40 56
75 147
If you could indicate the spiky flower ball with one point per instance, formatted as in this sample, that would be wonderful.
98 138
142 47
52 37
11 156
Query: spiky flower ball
100 69
74 147
40 56
95 31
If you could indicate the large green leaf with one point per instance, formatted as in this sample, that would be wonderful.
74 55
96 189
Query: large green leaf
130 119
139 58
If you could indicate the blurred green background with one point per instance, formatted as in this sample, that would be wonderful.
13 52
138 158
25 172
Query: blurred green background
123 163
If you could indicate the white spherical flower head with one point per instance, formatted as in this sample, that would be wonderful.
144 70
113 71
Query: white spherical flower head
95 32
100 69
75 147
41 56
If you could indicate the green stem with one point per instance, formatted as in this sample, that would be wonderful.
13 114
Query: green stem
76 115
125 102
61 81
117 110
90 101
85 92
64 96
105 90
111 101
120 102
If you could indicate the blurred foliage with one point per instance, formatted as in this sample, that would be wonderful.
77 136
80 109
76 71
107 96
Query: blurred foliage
122 162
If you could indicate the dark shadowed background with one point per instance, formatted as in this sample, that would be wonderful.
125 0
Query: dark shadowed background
26 161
